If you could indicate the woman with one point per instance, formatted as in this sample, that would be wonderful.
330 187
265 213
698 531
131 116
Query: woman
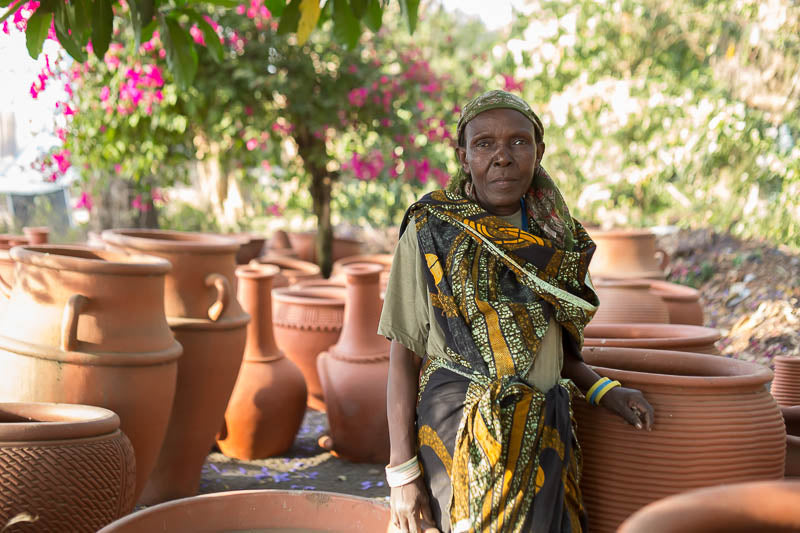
486 305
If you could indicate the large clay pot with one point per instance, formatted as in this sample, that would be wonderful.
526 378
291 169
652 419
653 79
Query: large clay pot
714 423
87 326
306 322
786 385
260 510
626 254
355 371
681 338
305 245
385 260
763 507
206 319
292 270
269 399
250 248
37 234
629 301
683 303
791 418
67 466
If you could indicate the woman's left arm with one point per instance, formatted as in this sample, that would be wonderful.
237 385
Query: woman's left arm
630 404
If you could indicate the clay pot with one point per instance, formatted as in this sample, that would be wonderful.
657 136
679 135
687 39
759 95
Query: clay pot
305 245
714 423
269 399
292 270
260 510
765 507
791 418
306 322
354 372
37 235
250 248
279 241
87 326
681 338
786 385
69 466
8 241
626 254
683 303
6 267
385 260
629 302
206 319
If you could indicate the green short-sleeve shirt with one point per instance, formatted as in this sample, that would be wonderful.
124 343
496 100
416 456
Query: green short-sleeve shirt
408 314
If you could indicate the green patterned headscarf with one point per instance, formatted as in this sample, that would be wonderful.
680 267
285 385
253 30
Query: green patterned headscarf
497 100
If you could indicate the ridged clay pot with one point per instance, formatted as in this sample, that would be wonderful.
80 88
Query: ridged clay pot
355 371
714 423
763 507
208 321
628 301
307 321
786 385
269 399
37 234
69 466
260 510
385 260
681 338
292 270
304 243
683 303
791 418
626 254
88 326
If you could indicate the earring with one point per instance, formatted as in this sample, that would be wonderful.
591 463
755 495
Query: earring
468 189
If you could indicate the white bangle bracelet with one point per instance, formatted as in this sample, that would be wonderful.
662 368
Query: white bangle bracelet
397 476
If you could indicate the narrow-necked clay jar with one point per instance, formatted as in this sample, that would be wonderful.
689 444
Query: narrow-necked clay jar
385 260
715 423
758 506
626 254
269 399
37 234
678 337
67 466
683 303
260 510
355 371
628 301
786 385
208 321
308 321
292 270
87 326
791 418
304 243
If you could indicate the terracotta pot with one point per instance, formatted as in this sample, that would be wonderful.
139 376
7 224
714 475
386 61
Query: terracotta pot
67 465
87 326
625 302
269 399
6 267
206 319
385 260
305 245
354 372
37 235
251 247
306 322
8 241
682 338
683 303
292 270
260 510
786 385
714 423
763 507
626 254
279 241
791 418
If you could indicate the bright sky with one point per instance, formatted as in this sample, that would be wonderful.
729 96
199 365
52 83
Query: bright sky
494 13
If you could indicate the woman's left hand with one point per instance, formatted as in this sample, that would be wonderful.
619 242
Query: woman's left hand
631 405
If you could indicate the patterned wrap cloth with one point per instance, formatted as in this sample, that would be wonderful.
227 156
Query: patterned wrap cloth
499 455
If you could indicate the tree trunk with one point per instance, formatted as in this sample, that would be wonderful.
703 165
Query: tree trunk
113 206
315 157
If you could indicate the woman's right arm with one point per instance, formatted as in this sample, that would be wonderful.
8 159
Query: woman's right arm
411 500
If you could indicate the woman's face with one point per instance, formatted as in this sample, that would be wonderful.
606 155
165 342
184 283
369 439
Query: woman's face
500 154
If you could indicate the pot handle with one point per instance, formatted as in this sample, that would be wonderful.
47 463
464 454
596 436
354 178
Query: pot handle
664 258
69 321
224 295
5 288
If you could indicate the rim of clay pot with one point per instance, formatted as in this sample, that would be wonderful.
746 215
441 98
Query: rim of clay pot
786 359
314 233
378 259
86 259
673 291
159 240
260 510
622 283
655 336
670 368
289 263
768 504
622 233
362 269
335 283
40 421
333 297
257 271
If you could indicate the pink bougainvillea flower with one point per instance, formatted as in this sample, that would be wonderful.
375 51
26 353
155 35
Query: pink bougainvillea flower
62 160
5 27
141 205
34 92
252 144
117 168
197 35
358 97
421 105
104 92
158 197
510 84
275 210
85 201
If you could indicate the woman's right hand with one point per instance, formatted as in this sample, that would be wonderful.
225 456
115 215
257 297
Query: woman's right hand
409 502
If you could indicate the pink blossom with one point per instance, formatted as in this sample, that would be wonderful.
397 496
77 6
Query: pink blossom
352 69
53 176
159 95
61 133
138 203
162 53
62 160
266 166
385 122
51 31
510 84
275 210
84 201
252 144
34 92
104 92
211 22
248 111
117 168
197 35
158 197
112 61
421 105
358 97
384 79
5 27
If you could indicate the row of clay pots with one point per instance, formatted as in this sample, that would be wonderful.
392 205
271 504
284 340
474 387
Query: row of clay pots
641 301
303 245
627 254
32 235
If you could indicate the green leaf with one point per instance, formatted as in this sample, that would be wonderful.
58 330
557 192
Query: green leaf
290 18
409 9
11 10
4 3
142 12
79 19
309 15
374 15
275 7
181 54
102 26
209 35
66 40
36 32
359 7
346 27
221 3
